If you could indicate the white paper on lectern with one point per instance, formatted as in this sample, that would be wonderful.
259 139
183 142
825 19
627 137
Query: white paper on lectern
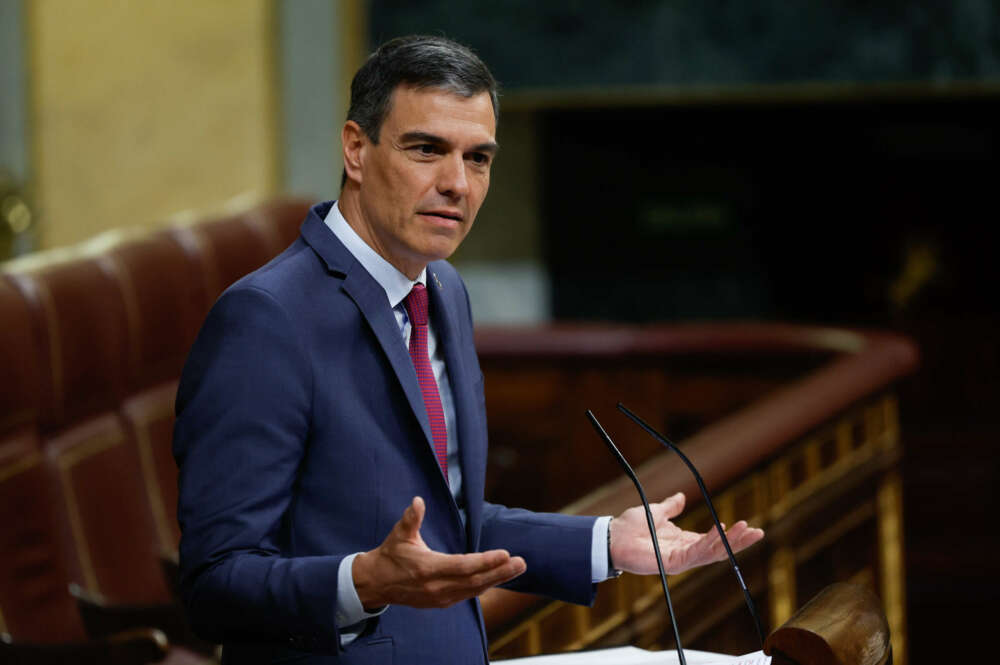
636 656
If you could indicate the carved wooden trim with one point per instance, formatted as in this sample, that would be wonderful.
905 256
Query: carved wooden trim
862 442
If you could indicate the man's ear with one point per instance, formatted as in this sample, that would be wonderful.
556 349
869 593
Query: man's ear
354 141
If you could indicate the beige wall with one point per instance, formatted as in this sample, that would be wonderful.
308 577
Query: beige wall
141 109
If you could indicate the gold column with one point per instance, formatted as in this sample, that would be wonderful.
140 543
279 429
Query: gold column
781 585
354 45
890 536
143 109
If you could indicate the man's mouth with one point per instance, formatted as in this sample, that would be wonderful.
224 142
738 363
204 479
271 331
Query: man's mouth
443 214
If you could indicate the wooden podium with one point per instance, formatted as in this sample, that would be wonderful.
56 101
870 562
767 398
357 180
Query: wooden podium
843 625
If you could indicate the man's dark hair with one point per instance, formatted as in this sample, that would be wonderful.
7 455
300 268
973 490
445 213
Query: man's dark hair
419 61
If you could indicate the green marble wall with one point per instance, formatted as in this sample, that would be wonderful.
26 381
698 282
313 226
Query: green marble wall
576 43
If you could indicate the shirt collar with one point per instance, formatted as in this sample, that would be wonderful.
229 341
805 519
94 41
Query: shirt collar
395 284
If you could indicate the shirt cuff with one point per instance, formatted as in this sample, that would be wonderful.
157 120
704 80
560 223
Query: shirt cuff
600 567
349 608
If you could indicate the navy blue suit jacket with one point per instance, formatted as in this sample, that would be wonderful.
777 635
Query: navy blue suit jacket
301 437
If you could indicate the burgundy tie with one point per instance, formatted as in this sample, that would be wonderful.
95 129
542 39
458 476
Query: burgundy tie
416 308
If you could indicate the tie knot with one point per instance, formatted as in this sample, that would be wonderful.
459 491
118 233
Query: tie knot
416 305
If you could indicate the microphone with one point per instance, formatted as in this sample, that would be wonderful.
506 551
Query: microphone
652 527
718 525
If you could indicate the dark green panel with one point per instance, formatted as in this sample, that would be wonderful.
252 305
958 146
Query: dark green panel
569 44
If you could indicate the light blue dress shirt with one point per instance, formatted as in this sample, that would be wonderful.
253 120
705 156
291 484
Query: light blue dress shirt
397 286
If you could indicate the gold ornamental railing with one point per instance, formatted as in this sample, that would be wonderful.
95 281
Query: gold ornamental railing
814 461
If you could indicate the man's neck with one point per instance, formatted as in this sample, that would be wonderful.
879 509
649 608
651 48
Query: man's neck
350 207
395 284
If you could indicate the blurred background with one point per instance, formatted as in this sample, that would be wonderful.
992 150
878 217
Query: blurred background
661 161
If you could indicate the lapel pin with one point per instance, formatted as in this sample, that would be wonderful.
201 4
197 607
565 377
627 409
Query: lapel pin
436 280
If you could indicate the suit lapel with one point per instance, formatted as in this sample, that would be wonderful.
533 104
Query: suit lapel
371 301
373 305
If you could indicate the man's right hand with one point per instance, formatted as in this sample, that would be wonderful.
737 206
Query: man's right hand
404 571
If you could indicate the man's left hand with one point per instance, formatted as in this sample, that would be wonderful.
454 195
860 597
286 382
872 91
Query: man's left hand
632 549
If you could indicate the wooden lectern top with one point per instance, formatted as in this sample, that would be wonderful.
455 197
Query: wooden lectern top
843 625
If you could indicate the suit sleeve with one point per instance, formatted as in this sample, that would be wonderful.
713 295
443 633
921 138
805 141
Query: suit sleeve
556 549
243 423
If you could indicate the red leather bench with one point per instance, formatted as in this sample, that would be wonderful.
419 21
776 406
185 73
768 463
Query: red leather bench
92 342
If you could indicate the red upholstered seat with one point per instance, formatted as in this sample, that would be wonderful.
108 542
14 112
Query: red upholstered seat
92 344
34 604
164 304
225 249
279 220
165 301
78 320
20 389
106 513
150 419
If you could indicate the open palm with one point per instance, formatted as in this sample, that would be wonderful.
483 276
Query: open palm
632 548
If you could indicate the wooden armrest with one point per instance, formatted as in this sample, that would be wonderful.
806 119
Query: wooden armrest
102 619
843 625
135 647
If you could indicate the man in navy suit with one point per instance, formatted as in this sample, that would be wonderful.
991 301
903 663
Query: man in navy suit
331 430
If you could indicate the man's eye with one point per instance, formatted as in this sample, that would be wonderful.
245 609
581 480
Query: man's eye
479 158
426 149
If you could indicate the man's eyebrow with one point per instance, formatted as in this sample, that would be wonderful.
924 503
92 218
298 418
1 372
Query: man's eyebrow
490 146
424 137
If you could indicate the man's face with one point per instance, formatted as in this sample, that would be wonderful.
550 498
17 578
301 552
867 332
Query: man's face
422 184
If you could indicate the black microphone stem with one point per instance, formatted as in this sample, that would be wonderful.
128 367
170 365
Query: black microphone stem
711 508
652 528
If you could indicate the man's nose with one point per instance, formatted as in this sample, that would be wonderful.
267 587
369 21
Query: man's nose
452 180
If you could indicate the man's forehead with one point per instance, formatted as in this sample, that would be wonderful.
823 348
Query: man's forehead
412 108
